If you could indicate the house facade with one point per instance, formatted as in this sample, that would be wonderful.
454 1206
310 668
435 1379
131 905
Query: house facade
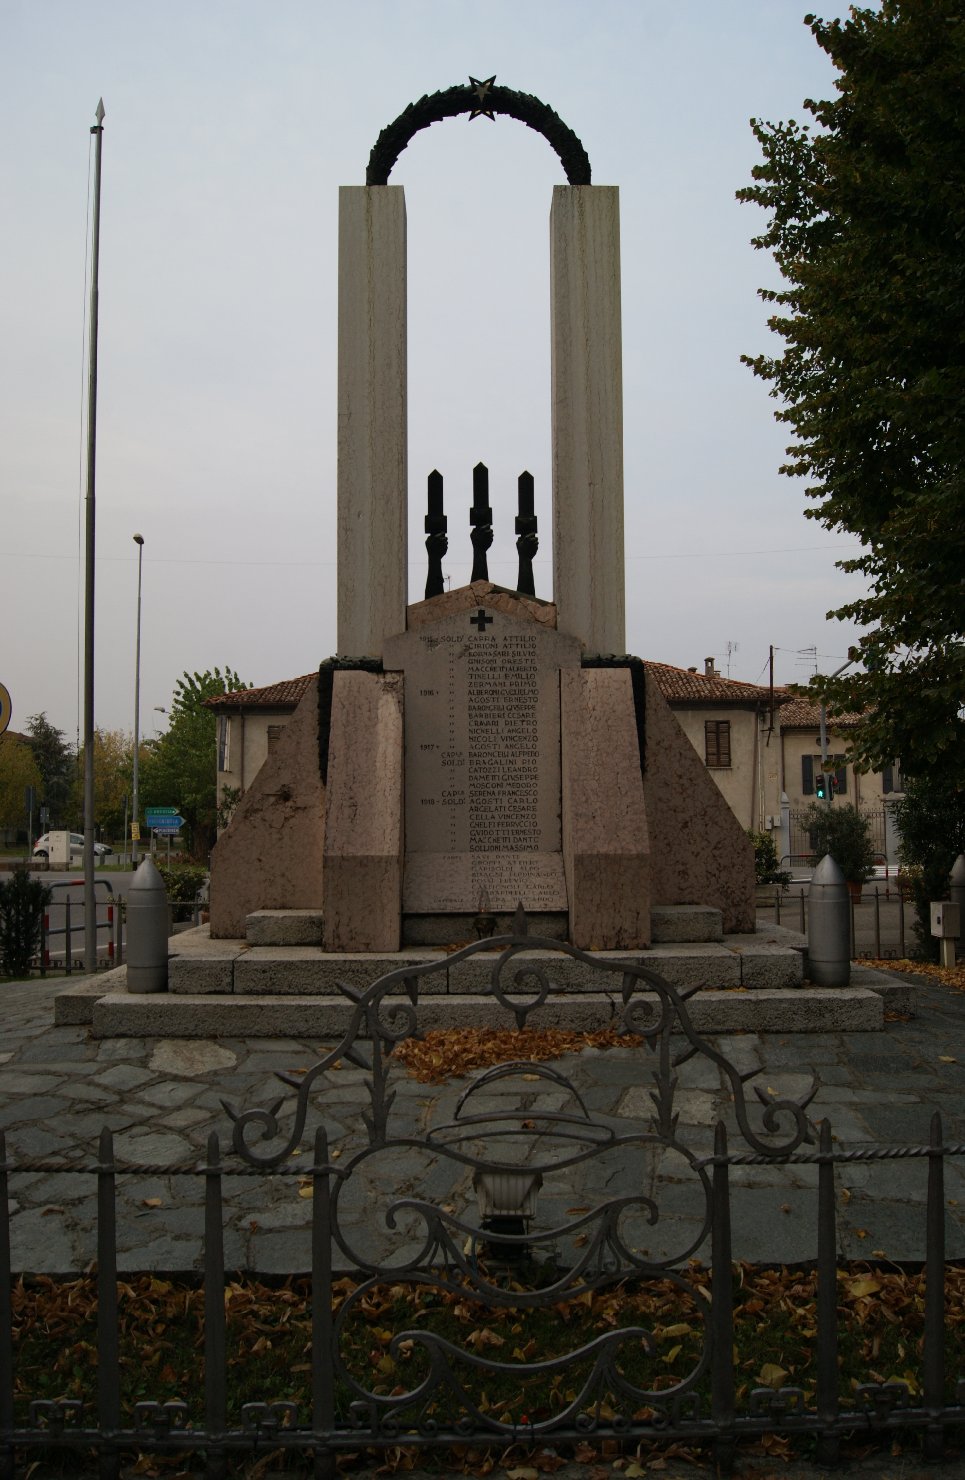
735 729
249 724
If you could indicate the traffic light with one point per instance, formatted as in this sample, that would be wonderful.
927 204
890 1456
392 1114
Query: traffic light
821 786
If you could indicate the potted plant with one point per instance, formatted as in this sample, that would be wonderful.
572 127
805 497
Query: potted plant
767 875
845 833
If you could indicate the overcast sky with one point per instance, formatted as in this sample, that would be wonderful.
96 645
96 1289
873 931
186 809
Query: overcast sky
229 128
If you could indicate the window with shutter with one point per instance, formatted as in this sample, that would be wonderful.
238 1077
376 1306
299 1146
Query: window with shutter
717 742
224 743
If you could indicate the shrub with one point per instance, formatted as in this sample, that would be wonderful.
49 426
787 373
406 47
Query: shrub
22 904
931 825
845 833
183 883
766 870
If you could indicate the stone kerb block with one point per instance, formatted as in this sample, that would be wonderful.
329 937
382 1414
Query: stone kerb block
675 923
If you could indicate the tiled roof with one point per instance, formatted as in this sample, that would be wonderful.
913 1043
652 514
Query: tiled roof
680 685
283 695
804 714
675 684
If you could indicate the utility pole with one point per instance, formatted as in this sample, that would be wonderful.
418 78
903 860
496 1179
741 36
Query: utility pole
90 902
139 542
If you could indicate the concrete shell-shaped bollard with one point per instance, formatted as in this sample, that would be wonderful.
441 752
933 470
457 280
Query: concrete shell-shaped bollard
829 926
147 931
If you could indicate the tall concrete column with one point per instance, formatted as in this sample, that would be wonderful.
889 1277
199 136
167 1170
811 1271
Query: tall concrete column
372 418
587 370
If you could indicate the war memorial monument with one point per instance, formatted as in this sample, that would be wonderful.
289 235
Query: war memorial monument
479 754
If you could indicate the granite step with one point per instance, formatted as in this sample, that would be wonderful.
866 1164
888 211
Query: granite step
284 928
226 968
695 923
804 1010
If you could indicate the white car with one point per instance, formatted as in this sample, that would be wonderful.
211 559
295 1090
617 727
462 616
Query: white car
42 847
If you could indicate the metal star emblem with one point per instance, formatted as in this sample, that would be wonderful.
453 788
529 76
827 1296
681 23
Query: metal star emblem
482 90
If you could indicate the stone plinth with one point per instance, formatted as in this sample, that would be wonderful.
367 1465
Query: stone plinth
362 858
587 404
605 837
372 417
270 857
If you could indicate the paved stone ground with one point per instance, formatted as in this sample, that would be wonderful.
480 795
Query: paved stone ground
162 1098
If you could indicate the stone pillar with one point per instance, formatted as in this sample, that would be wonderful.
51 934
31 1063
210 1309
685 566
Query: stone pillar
362 861
372 418
587 371
606 847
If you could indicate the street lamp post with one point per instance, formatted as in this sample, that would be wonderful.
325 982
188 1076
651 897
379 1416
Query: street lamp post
136 815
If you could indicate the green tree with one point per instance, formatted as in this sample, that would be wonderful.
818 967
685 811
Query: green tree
113 779
867 225
931 826
18 770
56 762
181 768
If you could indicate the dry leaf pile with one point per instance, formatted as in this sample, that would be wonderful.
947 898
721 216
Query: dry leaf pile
449 1053
949 976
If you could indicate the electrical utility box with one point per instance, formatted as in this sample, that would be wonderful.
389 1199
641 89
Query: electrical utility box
58 849
946 921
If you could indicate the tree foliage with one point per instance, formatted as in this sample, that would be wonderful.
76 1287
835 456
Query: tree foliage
113 779
18 770
867 225
181 768
56 762
931 824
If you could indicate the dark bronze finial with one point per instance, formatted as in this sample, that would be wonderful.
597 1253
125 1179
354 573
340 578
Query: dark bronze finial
527 541
436 542
481 519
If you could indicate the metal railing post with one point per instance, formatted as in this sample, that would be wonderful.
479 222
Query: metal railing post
827 1304
323 1367
68 963
108 1340
722 1307
7 1457
933 1355
215 1373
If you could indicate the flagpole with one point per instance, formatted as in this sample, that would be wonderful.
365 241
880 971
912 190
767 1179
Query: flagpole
90 903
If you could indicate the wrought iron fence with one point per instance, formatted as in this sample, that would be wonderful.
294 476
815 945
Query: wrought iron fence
879 922
501 1258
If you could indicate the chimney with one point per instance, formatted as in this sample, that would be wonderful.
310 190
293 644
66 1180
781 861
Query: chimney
709 670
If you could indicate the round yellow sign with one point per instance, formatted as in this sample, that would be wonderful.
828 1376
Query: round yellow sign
6 709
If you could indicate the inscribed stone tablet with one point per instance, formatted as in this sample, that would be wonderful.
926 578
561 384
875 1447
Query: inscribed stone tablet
482 762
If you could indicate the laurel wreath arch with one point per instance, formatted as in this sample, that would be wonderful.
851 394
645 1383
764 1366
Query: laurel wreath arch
478 99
